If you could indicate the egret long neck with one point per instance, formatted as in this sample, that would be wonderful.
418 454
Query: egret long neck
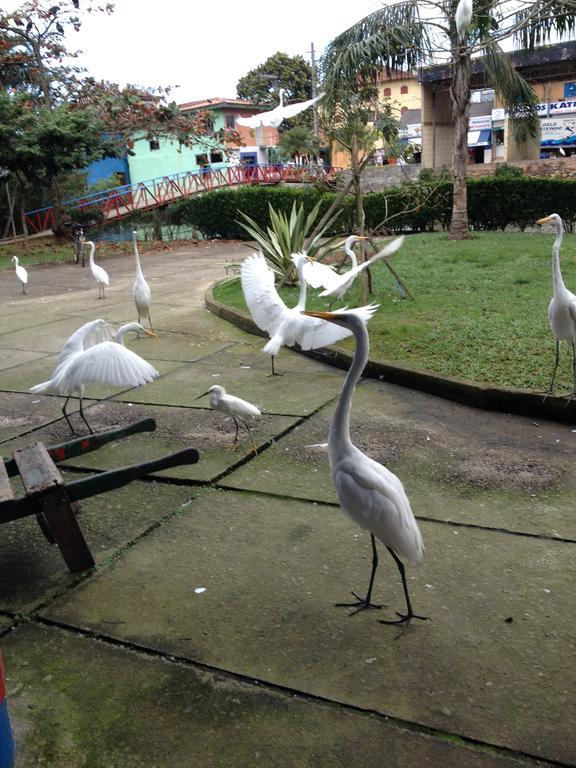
302 295
557 280
340 427
137 257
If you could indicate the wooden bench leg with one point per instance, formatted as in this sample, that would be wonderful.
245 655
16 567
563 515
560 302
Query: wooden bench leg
60 526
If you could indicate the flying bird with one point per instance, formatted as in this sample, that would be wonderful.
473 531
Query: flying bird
284 326
275 117
463 18
89 357
239 409
336 284
21 274
562 307
141 289
100 275
371 495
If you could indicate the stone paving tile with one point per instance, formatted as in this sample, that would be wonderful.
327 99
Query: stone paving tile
179 716
250 353
19 414
211 433
9 358
455 463
272 394
32 570
491 665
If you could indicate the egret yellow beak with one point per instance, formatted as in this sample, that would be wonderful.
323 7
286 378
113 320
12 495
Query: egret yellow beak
321 315
545 220
202 395
151 333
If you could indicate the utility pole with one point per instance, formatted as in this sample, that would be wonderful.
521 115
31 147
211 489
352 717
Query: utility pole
313 66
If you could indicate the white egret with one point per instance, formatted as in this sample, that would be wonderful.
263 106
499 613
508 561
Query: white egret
100 275
562 307
275 117
284 326
463 18
86 359
233 406
371 495
118 335
320 275
336 285
21 274
141 289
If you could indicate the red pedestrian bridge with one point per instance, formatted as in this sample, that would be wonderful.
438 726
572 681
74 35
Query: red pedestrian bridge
120 202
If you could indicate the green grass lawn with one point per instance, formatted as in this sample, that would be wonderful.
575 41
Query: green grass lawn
479 312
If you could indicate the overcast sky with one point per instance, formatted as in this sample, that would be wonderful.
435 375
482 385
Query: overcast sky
205 47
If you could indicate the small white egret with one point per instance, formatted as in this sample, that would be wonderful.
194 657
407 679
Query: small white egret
119 333
463 18
275 117
21 274
336 285
562 307
284 326
233 406
100 275
371 495
320 275
141 289
86 359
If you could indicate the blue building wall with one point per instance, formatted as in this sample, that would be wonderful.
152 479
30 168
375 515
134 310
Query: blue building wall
103 169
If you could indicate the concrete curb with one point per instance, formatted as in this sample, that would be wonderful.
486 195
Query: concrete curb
521 402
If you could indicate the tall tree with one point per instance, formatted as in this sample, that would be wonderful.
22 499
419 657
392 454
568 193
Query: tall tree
297 143
262 84
413 33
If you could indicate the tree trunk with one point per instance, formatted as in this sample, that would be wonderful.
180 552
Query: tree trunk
157 219
460 97
360 218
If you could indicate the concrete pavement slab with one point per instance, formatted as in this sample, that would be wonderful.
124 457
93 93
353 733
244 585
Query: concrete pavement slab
20 414
32 570
493 664
457 464
211 433
9 358
85 702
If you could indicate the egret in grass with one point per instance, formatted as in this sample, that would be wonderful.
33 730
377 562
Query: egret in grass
463 18
320 275
90 357
21 274
275 117
239 409
562 307
336 285
284 326
100 275
371 495
141 289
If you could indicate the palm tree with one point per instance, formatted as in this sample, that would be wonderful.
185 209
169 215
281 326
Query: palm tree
297 143
414 33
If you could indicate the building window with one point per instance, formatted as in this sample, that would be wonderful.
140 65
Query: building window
215 157
209 124
230 122
403 110
387 92
404 89
154 144
202 160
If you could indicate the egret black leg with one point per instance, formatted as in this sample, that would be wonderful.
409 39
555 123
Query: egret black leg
150 321
363 603
84 418
66 416
251 438
404 617
235 433
551 387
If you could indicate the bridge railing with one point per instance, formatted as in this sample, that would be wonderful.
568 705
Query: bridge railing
119 202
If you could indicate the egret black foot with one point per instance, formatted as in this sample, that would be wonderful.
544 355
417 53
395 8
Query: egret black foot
405 618
361 604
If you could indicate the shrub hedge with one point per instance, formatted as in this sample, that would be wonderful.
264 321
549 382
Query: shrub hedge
493 203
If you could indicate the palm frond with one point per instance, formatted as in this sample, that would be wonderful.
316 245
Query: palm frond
543 20
516 93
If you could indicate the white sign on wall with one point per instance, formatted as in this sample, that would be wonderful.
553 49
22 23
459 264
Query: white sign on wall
480 123
554 128
543 109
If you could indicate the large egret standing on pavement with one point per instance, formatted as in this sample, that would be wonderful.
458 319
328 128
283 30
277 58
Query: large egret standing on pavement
275 117
562 307
371 495
284 326
336 285
100 275
21 273
86 359
141 289
463 18
239 409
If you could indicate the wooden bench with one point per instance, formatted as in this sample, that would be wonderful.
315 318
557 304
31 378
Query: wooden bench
55 503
